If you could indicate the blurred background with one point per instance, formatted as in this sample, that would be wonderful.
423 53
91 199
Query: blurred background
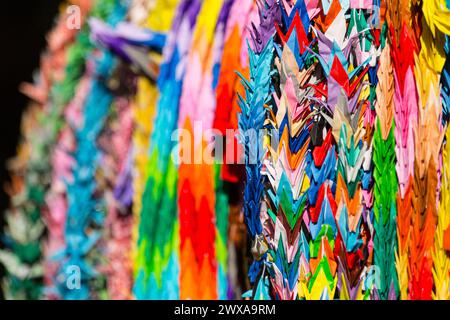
24 25
23 29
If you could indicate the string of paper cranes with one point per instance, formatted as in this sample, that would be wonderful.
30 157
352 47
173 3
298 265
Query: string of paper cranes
235 149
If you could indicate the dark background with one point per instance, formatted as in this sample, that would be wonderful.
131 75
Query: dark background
23 28
24 25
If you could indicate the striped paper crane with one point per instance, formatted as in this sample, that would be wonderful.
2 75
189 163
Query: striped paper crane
362 255
157 260
429 137
156 16
115 144
77 276
68 99
196 189
403 50
287 197
206 111
258 91
385 176
442 239
289 158
222 211
62 165
340 217
234 61
441 267
435 27
350 117
132 44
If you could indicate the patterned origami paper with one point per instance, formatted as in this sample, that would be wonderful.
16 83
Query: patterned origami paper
338 186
